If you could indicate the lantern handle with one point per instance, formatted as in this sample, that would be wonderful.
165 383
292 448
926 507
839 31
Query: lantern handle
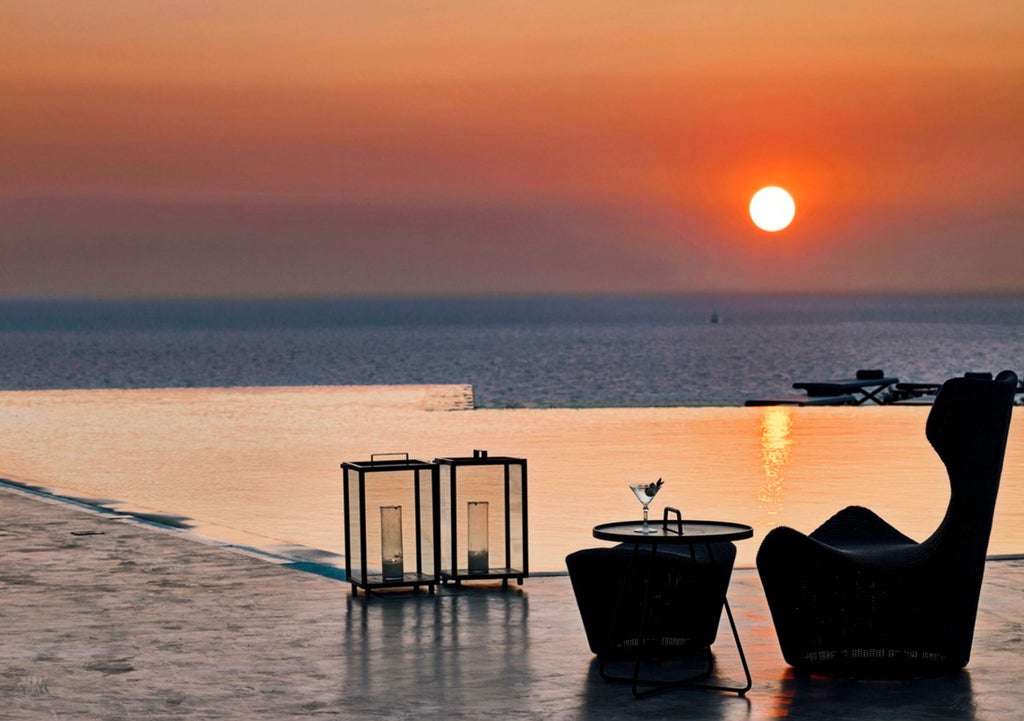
374 456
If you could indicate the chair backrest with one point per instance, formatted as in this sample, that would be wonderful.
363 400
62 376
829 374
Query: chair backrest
968 427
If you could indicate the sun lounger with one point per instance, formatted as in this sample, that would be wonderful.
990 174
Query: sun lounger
914 394
866 386
844 399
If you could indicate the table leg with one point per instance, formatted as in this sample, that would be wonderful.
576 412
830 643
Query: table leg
741 690
694 681
641 636
652 686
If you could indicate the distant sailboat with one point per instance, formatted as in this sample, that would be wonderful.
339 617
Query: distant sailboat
714 316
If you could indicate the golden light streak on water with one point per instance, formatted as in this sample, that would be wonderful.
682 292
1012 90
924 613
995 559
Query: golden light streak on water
776 445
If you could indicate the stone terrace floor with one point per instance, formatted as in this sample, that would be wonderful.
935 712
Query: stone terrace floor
105 617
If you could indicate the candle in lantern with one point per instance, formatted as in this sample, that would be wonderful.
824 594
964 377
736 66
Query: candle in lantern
392 565
479 561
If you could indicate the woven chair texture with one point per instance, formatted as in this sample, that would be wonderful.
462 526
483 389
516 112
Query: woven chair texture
684 607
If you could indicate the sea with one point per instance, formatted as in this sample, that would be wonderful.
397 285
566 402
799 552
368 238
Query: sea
229 419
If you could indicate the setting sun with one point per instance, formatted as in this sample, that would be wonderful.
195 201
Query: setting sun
772 208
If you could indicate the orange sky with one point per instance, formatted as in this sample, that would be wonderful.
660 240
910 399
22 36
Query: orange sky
209 148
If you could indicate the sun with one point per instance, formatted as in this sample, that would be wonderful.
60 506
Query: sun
772 208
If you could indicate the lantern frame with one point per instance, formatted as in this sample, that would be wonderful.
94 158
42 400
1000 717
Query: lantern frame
511 523
423 564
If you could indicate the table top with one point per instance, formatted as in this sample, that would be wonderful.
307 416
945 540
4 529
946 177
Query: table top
693 532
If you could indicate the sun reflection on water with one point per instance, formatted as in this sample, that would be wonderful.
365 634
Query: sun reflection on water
776 451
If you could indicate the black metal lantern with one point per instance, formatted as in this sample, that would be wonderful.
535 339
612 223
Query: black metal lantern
483 518
391 522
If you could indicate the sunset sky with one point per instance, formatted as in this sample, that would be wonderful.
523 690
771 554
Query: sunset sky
277 148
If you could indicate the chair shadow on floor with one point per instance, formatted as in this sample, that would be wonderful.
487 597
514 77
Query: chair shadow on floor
950 698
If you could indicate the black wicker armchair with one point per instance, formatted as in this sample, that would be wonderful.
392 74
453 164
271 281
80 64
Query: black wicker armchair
859 598
684 606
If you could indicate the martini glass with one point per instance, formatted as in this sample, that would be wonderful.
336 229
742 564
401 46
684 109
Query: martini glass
645 493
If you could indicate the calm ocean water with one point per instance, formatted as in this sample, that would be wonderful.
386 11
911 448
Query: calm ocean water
514 352
231 419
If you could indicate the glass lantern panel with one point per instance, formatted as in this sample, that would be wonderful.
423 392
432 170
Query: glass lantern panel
427 529
383 489
445 515
355 543
516 511
481 484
